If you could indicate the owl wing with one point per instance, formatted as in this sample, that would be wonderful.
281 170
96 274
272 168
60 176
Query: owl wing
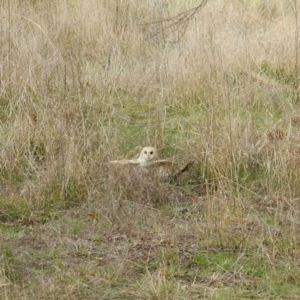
168 169
163 163
125 162
185 169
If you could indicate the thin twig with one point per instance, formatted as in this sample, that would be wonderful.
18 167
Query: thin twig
178 22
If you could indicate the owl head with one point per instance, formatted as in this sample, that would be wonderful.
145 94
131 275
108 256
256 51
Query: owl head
147 156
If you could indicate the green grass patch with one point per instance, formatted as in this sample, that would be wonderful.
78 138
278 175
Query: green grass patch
211 262
279 74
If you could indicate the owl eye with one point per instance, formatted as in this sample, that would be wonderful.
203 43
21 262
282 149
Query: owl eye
145 152
151 152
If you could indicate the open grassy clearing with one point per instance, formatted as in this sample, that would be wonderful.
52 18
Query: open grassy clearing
83 82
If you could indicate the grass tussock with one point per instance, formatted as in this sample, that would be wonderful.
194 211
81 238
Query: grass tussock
85 82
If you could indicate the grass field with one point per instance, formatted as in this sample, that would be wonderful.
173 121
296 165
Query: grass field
83 82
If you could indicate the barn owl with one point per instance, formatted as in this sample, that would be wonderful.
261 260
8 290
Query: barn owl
146 157
161 169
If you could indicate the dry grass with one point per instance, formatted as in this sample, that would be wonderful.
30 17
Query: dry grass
82 82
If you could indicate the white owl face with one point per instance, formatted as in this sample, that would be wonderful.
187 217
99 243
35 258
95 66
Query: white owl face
147 156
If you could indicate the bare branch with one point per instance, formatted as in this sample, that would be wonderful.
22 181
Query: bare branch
177 24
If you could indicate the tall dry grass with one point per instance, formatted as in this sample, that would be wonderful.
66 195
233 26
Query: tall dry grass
73 73
83 82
